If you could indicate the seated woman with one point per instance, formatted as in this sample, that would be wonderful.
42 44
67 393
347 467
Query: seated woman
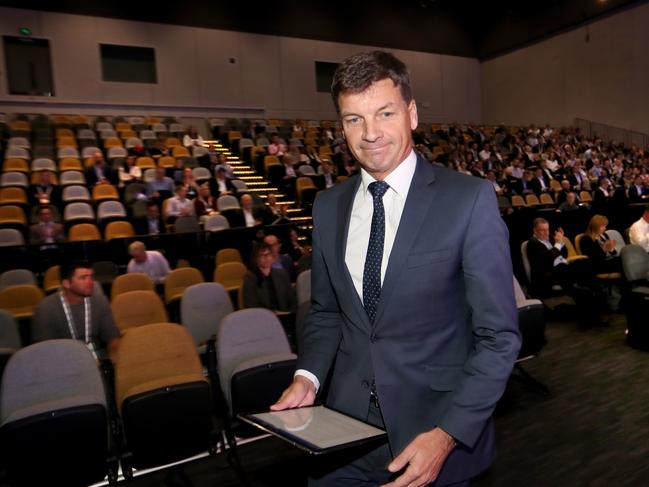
205 203
264 286
129 172
599 248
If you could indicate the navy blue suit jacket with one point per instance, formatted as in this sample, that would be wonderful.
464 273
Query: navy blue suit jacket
445 336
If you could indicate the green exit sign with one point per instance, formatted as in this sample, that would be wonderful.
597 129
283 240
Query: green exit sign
25 31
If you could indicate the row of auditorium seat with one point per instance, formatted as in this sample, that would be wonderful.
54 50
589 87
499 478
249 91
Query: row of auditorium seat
161 410
533 201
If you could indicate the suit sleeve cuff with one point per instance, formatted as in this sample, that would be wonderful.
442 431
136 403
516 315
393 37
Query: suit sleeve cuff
310 376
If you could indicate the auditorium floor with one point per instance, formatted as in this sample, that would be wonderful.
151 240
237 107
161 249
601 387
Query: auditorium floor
591 431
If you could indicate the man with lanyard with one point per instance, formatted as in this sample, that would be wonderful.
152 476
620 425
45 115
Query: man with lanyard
76 312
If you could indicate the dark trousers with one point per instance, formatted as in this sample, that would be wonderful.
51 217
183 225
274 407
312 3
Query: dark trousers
360 467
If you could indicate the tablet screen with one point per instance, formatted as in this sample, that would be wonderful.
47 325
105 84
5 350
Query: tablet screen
315 429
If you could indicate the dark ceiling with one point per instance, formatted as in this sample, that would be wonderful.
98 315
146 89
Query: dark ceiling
474 28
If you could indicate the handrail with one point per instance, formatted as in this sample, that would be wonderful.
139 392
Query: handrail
629 138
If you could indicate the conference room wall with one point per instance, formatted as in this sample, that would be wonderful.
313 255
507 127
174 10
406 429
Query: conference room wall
221 70
600 74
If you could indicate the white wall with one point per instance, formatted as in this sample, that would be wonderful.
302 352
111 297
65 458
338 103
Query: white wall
273 74
564 77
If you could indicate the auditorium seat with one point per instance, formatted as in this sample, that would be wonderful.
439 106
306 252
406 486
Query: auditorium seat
118 229
21 300
13 196
78 212
137 308
75 192
110 210
54 417
17 277
230 275
303 287
14 179
227 255
82 232
15 165
10 237
12 215
178 280
70 164
202 308
255 362
52 279
162 396
215 223
133 281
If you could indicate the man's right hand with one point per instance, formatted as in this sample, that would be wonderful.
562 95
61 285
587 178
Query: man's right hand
300 393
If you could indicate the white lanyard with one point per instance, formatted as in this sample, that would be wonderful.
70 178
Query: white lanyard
68 316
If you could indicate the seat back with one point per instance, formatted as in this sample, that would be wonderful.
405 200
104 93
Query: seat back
228 255
526 262
52 279
248 343
227 202
83 232
186 224
303 287
619 240
180 279
16 277
230 275
162 395
133 281
10 237
21 300
202 308
531 323
53 391
137 308
635 263
214 223
578 243
119 229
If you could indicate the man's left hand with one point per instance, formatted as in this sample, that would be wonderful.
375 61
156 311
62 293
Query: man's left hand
425 456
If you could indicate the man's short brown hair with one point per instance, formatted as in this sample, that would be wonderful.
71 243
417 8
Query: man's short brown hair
356 73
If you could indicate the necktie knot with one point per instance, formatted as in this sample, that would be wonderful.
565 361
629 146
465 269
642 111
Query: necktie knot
378 189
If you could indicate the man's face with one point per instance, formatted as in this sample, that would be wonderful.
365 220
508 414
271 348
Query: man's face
182 192
153 211
571 198
81 283
246 202
377 124
46 178
542 231
160 173
99 158
565 185
264 260
274 245
46 215
139 256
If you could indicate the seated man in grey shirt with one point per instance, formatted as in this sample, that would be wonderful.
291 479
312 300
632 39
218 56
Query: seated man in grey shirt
150 262
75 312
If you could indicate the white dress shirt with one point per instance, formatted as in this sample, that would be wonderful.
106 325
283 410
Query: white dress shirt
639 234
360 223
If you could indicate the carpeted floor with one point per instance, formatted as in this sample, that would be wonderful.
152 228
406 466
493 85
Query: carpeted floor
591 431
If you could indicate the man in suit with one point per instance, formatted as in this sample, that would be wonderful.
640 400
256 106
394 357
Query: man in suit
100 172
46 231
637 191
44 192
422 328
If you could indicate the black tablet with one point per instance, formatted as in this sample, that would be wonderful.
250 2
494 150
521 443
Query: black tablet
315 429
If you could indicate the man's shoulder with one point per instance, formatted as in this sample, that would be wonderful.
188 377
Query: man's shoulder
49 303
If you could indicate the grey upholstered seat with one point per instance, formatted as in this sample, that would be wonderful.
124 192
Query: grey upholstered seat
202 308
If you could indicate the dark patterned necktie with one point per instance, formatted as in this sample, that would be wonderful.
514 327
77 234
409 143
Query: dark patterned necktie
372 270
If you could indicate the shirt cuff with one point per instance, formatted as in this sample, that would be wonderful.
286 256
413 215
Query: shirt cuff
558 245
310 376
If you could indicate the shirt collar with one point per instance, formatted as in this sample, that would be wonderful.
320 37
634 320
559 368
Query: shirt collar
399 179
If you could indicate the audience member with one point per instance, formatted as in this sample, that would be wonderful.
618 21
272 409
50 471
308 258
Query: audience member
152 223
129 172
639 231
100 172
77 312
161 187
179 204
192 138
149 262
46 231
221 184
251 216
570 204
205 203
637 191
276 147
265 286
44 192
280 261
599 248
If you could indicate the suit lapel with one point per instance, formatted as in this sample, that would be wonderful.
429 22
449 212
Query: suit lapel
344 215
414 212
